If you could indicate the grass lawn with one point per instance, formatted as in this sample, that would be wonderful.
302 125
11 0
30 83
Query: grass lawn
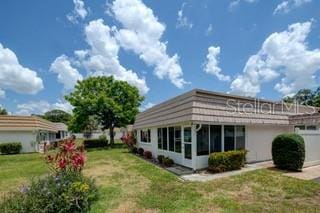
129 184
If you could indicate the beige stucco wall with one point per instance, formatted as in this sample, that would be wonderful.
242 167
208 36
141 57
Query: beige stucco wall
259 140
27 139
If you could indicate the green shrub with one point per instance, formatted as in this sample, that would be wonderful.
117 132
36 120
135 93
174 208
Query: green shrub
168 161
103 138
10 148
133 150
147 154
95 143
160 159
226 161
288 151
140 151
64 192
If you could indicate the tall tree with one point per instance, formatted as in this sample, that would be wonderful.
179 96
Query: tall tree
303 96
113 103
57 115
3 111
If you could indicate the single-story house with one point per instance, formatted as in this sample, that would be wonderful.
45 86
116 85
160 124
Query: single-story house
62 131
30 131
189 127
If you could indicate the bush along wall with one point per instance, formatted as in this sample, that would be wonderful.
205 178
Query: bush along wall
10 148
226 161
95 143
288 151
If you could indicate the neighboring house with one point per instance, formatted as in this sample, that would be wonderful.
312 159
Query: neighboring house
62 131
118 133
189 127
30 131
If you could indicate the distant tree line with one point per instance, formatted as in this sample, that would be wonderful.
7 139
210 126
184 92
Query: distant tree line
305 97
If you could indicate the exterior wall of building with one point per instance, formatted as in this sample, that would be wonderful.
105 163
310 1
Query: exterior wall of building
26 138
178 158
259 140
312 146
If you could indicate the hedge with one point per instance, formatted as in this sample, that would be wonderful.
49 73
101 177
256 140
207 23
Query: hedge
226 161
95 143
168 161
10 148
288 151
140 151
147 154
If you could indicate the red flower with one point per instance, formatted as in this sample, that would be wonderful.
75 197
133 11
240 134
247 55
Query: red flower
78 160
68 146
62 163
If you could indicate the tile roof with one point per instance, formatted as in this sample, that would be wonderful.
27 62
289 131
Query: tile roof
25 123
206 106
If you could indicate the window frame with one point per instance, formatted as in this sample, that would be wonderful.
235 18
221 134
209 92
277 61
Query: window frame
148 136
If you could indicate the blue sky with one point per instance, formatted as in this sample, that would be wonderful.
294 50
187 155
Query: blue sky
251 47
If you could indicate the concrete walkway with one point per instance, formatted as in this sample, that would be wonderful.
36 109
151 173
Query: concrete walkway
309 173
203 176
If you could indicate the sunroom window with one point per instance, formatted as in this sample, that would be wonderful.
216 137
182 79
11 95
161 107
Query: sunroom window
162 138
203 140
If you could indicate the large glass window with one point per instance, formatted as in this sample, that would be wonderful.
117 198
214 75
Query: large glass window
171 139
177 139
215 138
187 142
145 136
159 138
229 138
165 138
203 140
162 138
240 137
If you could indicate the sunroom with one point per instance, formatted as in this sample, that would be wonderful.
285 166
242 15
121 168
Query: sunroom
189 127
190 145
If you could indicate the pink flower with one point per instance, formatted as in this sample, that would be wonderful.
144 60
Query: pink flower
62 163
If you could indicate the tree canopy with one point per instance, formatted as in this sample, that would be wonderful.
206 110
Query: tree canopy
57 115
113 103
305 97
3 111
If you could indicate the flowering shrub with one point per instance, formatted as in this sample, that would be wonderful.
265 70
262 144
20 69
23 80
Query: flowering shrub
130 141
69 158
65 190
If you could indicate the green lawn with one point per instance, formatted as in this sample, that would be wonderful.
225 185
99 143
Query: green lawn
129 184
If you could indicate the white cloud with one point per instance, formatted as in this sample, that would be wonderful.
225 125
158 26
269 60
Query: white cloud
2 94
212 64
182 20
284 54
41 107
79 11
235 3
102 57
209 30
67 75
15 77
288 5
141 34
146 106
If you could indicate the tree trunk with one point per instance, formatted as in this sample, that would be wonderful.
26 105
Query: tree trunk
111 130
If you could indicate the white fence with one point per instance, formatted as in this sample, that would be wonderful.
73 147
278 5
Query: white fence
312 145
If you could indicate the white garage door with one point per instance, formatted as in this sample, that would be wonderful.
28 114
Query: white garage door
312 146
259 141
